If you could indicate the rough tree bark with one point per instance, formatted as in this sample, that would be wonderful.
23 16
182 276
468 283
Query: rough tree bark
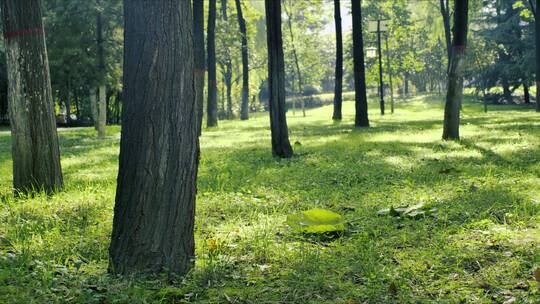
102 90
159 149
338 84
455 71
361 118
211 109
35 150
244 107
281 146
200 64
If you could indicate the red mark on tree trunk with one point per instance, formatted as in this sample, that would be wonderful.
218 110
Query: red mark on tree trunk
23 32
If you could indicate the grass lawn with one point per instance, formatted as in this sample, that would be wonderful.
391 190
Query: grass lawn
480 246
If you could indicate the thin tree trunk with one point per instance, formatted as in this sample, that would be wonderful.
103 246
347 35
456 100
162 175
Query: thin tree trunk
67 103
228 65
159 148
35 150
338 84
361 119
102 111
93 106
537 45
281 146
212 111
244 108
390 77
200 66
445 12
455 71
77 105
296 64
102 94
526 94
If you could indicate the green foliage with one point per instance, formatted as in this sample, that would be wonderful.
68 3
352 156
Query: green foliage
316 221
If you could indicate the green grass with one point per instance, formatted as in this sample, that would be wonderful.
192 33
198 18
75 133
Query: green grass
481 245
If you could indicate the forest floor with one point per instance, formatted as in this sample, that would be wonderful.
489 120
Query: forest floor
480 245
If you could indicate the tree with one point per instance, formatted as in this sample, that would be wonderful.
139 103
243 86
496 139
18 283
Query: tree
226 63
212 111
159 148
281 146
454 94
244 108
101 102
200 66
361 119
296 61
35 150
445 13
338 87
536 11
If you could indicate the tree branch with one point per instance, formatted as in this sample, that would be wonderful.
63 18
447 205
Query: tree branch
533 9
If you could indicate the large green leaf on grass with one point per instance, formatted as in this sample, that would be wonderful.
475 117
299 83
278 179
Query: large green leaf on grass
316 221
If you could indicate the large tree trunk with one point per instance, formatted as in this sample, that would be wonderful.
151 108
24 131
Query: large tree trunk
244 108
445 13
338 86
537 43
200 66
276 81
159 149
455 71
102 93
211 109
35 150
361 119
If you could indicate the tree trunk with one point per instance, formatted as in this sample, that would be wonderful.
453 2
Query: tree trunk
526 94
228 65
390 77
102 94
200 66
212 111
455 71
507 93
67 103
93 106
281 146
445 12
361 119
35 150
296 64
159 149
244 108
537 45
102 111
381 80
77 105
338 86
